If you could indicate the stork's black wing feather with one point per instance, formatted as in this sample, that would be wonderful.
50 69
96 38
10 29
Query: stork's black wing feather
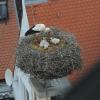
30 31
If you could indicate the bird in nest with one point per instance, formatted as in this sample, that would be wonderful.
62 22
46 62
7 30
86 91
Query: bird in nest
54 40
44 43
38 28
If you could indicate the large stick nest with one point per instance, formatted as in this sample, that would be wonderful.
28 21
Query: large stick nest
49 64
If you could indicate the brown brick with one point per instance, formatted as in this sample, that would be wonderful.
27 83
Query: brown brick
77 16
8 40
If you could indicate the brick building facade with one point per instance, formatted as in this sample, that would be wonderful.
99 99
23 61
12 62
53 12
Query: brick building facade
80 17
8 39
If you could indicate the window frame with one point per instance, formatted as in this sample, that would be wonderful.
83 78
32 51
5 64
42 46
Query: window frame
4 2
28 2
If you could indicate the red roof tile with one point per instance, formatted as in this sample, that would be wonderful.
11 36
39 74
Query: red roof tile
8 40
77 16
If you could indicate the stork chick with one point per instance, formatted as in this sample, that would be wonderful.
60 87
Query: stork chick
44 44
54 40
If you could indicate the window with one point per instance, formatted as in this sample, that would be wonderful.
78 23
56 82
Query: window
3 10
35 1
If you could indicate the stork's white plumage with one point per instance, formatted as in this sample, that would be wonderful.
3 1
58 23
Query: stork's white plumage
39 27
55 40
47 29
44 44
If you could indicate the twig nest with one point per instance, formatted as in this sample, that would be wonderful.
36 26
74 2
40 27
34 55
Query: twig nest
55 40
44 44
54 62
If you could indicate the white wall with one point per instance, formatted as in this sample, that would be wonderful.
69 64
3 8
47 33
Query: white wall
25 23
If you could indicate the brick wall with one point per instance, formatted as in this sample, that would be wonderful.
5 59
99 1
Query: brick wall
8 40
81 17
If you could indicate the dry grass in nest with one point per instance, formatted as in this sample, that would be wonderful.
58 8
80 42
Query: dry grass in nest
55 62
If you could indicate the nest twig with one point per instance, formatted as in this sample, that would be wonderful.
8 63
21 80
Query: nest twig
49 64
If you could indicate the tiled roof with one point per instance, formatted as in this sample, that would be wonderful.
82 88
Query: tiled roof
8 40
81 17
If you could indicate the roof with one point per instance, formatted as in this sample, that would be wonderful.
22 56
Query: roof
76 16
8 40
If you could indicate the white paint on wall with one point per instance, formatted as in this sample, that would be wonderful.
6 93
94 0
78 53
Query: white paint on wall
25 23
